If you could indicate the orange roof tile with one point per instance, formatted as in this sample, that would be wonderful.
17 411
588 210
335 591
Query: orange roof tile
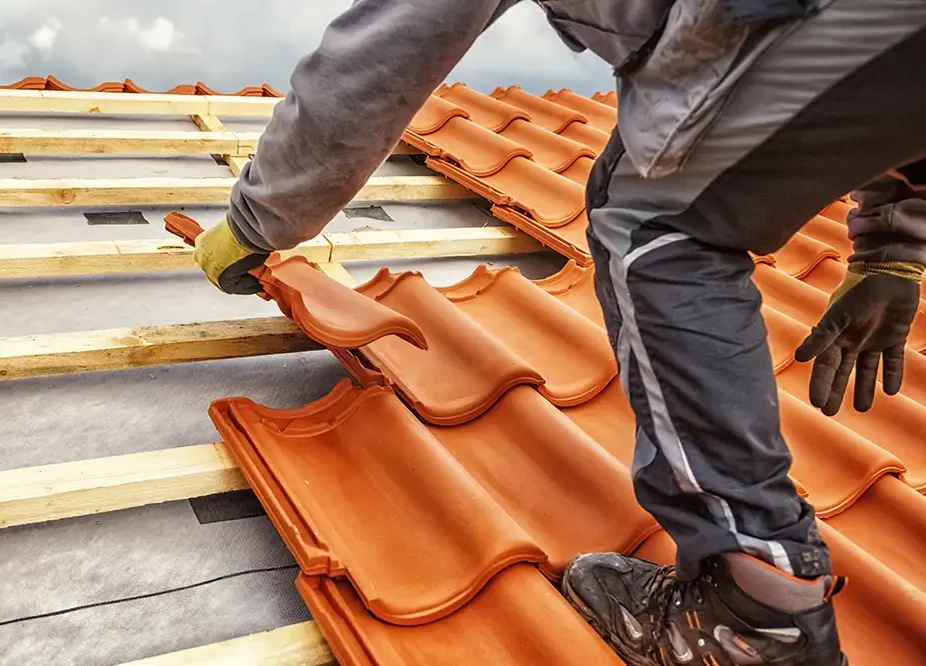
516 620
363 474
543 112
598 114
129 86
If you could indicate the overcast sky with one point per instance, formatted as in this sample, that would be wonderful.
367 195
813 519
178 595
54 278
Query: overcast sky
229 44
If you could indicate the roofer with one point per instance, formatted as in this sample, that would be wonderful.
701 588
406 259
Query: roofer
739 121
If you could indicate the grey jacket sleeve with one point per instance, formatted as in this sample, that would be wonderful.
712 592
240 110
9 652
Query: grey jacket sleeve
350 102
890 221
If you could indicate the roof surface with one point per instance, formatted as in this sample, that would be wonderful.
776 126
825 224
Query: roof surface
431 503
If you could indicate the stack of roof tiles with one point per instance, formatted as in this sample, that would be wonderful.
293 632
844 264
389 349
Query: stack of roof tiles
530 156
433 504
129 86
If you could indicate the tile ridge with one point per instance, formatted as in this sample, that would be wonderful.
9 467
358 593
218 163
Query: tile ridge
383 282
434 114
480 279
331 410
539 105
565 279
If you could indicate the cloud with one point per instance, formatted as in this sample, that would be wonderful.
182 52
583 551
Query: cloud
13 54
45 37
161 36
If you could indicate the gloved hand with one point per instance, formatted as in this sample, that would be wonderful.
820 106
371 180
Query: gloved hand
226 262
869 317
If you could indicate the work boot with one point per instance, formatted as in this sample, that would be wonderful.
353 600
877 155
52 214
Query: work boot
739 612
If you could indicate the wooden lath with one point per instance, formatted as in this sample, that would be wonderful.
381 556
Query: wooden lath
67 490
235 159
299 644
146 104
127 142
32 260
144 346
25 192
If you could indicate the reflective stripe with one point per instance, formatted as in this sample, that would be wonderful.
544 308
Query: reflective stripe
667 439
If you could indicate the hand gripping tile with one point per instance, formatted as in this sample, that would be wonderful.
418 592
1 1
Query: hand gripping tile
357 486
564 489
543 112
571 353
599 115
784 336
518 619
327 311
463 371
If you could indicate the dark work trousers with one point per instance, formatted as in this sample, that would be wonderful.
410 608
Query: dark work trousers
836 103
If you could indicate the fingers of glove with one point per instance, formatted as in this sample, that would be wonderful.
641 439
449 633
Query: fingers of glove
823 335
821 378
866 380
840 382
236 279
892 374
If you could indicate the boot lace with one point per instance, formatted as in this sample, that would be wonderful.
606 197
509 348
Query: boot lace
663 591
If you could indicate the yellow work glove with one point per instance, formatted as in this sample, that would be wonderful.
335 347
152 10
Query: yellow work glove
226 262
867 322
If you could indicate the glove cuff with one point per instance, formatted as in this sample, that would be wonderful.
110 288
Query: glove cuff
909 270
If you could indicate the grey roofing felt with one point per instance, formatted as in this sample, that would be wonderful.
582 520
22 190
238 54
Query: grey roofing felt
105 589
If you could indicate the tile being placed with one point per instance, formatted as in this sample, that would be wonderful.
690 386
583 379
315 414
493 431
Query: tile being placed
327 311
518 619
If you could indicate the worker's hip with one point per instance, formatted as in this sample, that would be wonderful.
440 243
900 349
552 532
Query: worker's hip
701 66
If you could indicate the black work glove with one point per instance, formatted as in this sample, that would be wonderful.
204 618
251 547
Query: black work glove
869 316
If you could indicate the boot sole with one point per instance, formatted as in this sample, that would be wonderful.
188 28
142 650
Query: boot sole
614 641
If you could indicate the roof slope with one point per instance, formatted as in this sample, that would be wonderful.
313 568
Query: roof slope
507 442
432 503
